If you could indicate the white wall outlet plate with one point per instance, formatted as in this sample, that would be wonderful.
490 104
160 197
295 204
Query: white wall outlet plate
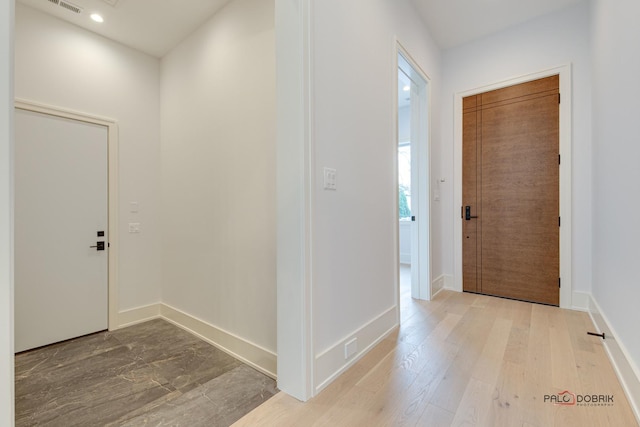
351 348
329 179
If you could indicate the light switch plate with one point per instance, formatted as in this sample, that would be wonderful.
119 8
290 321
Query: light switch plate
134 207
329 179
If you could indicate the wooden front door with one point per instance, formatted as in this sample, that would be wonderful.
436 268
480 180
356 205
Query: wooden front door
510 192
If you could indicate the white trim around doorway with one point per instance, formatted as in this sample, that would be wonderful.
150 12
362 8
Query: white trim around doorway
112 159
564 71
424 290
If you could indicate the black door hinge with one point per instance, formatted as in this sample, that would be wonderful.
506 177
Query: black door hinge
559 159
558 98
559 283
559 221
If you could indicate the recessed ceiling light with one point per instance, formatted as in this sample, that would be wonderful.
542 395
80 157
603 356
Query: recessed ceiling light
97 18
406 88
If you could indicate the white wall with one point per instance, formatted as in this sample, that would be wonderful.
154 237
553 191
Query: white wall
218 173
537 45
6 213
616 67
293 150
62 65
353 82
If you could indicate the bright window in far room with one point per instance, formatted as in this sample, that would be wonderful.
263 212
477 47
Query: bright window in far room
404 180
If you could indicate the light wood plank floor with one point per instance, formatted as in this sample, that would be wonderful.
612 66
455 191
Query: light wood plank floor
465 359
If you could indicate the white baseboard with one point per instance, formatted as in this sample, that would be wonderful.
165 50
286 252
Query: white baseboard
580 301
448 282
437 285
253 355
443 282
626 370
138 315
331 363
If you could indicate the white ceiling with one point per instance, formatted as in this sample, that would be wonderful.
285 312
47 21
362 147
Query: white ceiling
152 26
454 22
156 26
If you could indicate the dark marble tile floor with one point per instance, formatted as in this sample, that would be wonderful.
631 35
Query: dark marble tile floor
151 374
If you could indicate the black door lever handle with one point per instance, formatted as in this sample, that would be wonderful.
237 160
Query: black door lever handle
99 246
467 213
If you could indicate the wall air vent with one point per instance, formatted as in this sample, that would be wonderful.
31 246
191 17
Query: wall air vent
55 1
70 6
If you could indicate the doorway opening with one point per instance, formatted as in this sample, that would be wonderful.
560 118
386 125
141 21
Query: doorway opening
413 180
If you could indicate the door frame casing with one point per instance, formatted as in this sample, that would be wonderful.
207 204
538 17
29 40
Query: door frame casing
423 185
564 71
112 192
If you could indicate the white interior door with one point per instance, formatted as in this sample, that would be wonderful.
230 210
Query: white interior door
61 208
420 208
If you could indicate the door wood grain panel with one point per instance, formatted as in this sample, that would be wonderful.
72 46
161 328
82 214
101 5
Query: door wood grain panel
517 187
470 241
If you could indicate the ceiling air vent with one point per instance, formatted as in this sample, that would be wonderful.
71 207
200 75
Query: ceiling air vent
70 6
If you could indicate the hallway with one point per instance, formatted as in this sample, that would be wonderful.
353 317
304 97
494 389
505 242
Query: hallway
467 359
